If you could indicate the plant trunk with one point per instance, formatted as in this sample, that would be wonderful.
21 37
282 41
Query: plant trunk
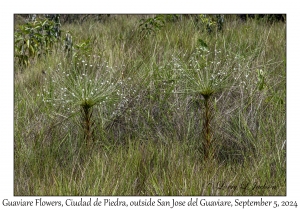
87 125
207 129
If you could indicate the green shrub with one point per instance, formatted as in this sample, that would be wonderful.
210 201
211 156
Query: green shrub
35 38
151 25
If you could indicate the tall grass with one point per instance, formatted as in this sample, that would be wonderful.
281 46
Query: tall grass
138 103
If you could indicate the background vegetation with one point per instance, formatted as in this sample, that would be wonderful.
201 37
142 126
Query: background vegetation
150 105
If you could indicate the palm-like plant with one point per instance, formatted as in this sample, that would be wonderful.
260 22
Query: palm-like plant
80 90
204 80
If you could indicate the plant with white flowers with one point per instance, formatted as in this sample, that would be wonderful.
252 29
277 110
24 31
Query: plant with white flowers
80 89
204 79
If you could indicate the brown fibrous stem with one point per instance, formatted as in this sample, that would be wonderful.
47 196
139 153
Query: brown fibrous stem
87 124
207 115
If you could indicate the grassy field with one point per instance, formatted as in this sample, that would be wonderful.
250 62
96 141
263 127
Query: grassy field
171 108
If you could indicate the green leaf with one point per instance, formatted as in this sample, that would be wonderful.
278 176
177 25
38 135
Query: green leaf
28 42
202 43
38 35
18 39
31 50
261 79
